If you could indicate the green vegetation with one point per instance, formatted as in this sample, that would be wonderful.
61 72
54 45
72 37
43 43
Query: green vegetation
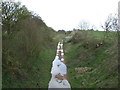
101 62
29 47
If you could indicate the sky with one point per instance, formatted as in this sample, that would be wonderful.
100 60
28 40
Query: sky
67 14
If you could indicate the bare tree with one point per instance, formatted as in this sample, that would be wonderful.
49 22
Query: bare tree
111 24
108 23
92 27
115 23
84 25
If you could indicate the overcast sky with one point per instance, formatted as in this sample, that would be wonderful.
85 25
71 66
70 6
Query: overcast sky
66 14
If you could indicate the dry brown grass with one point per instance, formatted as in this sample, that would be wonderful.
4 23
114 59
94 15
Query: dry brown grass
82 69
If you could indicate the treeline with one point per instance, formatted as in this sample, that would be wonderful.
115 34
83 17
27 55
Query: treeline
24 34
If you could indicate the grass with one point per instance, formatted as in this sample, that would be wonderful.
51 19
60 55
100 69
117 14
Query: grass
98 60
102 61
38 73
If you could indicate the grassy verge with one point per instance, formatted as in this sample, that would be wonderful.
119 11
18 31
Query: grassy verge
102 62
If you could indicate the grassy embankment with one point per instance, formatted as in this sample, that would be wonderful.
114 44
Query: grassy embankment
91 67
